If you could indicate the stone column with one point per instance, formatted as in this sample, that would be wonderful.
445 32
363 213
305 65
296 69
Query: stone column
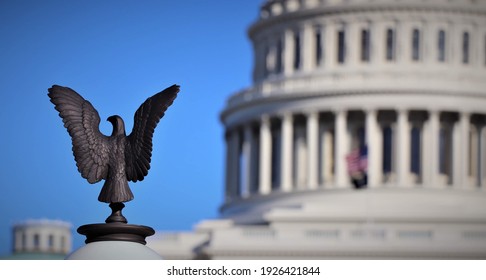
425 160
287 152
330 45
288 52
464 149
353 47
232 164
265 155
326 155
482 159
474 156
430 37
403 159
313 149
457 155
378 44
464 120
247 152
342 146
434 128
374 148
308 48
235 163
403 43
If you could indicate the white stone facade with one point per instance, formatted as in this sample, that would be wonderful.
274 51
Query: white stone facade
406 80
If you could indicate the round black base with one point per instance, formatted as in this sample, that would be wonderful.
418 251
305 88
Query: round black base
115 232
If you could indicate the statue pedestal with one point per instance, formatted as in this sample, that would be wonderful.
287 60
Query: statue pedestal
115 240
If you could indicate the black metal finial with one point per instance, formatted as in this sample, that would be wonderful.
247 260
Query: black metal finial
116 213
116 228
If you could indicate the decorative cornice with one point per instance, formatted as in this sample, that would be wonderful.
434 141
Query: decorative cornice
370 6
44 223
349 254
301 95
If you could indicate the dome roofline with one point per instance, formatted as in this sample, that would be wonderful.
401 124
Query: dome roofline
267 18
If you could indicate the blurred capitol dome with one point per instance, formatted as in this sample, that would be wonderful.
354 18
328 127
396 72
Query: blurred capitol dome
362 136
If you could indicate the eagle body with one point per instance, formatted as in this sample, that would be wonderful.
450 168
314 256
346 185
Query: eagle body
117 158
116 186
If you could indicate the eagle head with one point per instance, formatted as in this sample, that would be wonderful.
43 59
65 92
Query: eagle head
118 125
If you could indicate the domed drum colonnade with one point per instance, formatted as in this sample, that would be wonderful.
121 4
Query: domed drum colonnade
408 84
308 150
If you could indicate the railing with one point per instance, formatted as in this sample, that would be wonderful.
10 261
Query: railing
279 7
349 80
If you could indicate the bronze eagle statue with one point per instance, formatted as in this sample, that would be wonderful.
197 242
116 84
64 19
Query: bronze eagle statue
117 158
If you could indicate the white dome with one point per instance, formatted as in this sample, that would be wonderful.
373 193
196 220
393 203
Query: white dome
114 250
361 114
405 79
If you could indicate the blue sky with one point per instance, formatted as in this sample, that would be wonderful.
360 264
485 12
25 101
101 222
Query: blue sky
116 54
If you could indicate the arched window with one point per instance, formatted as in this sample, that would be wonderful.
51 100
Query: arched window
318 38
365 45
296 51
341 46
465 47
416 45
390 44
441 46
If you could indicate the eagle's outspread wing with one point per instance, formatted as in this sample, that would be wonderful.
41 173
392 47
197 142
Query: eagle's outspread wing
138 151
90 146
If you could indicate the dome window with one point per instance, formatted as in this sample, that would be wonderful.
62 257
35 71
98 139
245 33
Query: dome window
441 46
365 45
296 51
465 47
416 45
390 44
318 38
341 46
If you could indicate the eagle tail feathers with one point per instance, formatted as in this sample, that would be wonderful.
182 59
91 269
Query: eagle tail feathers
122 193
